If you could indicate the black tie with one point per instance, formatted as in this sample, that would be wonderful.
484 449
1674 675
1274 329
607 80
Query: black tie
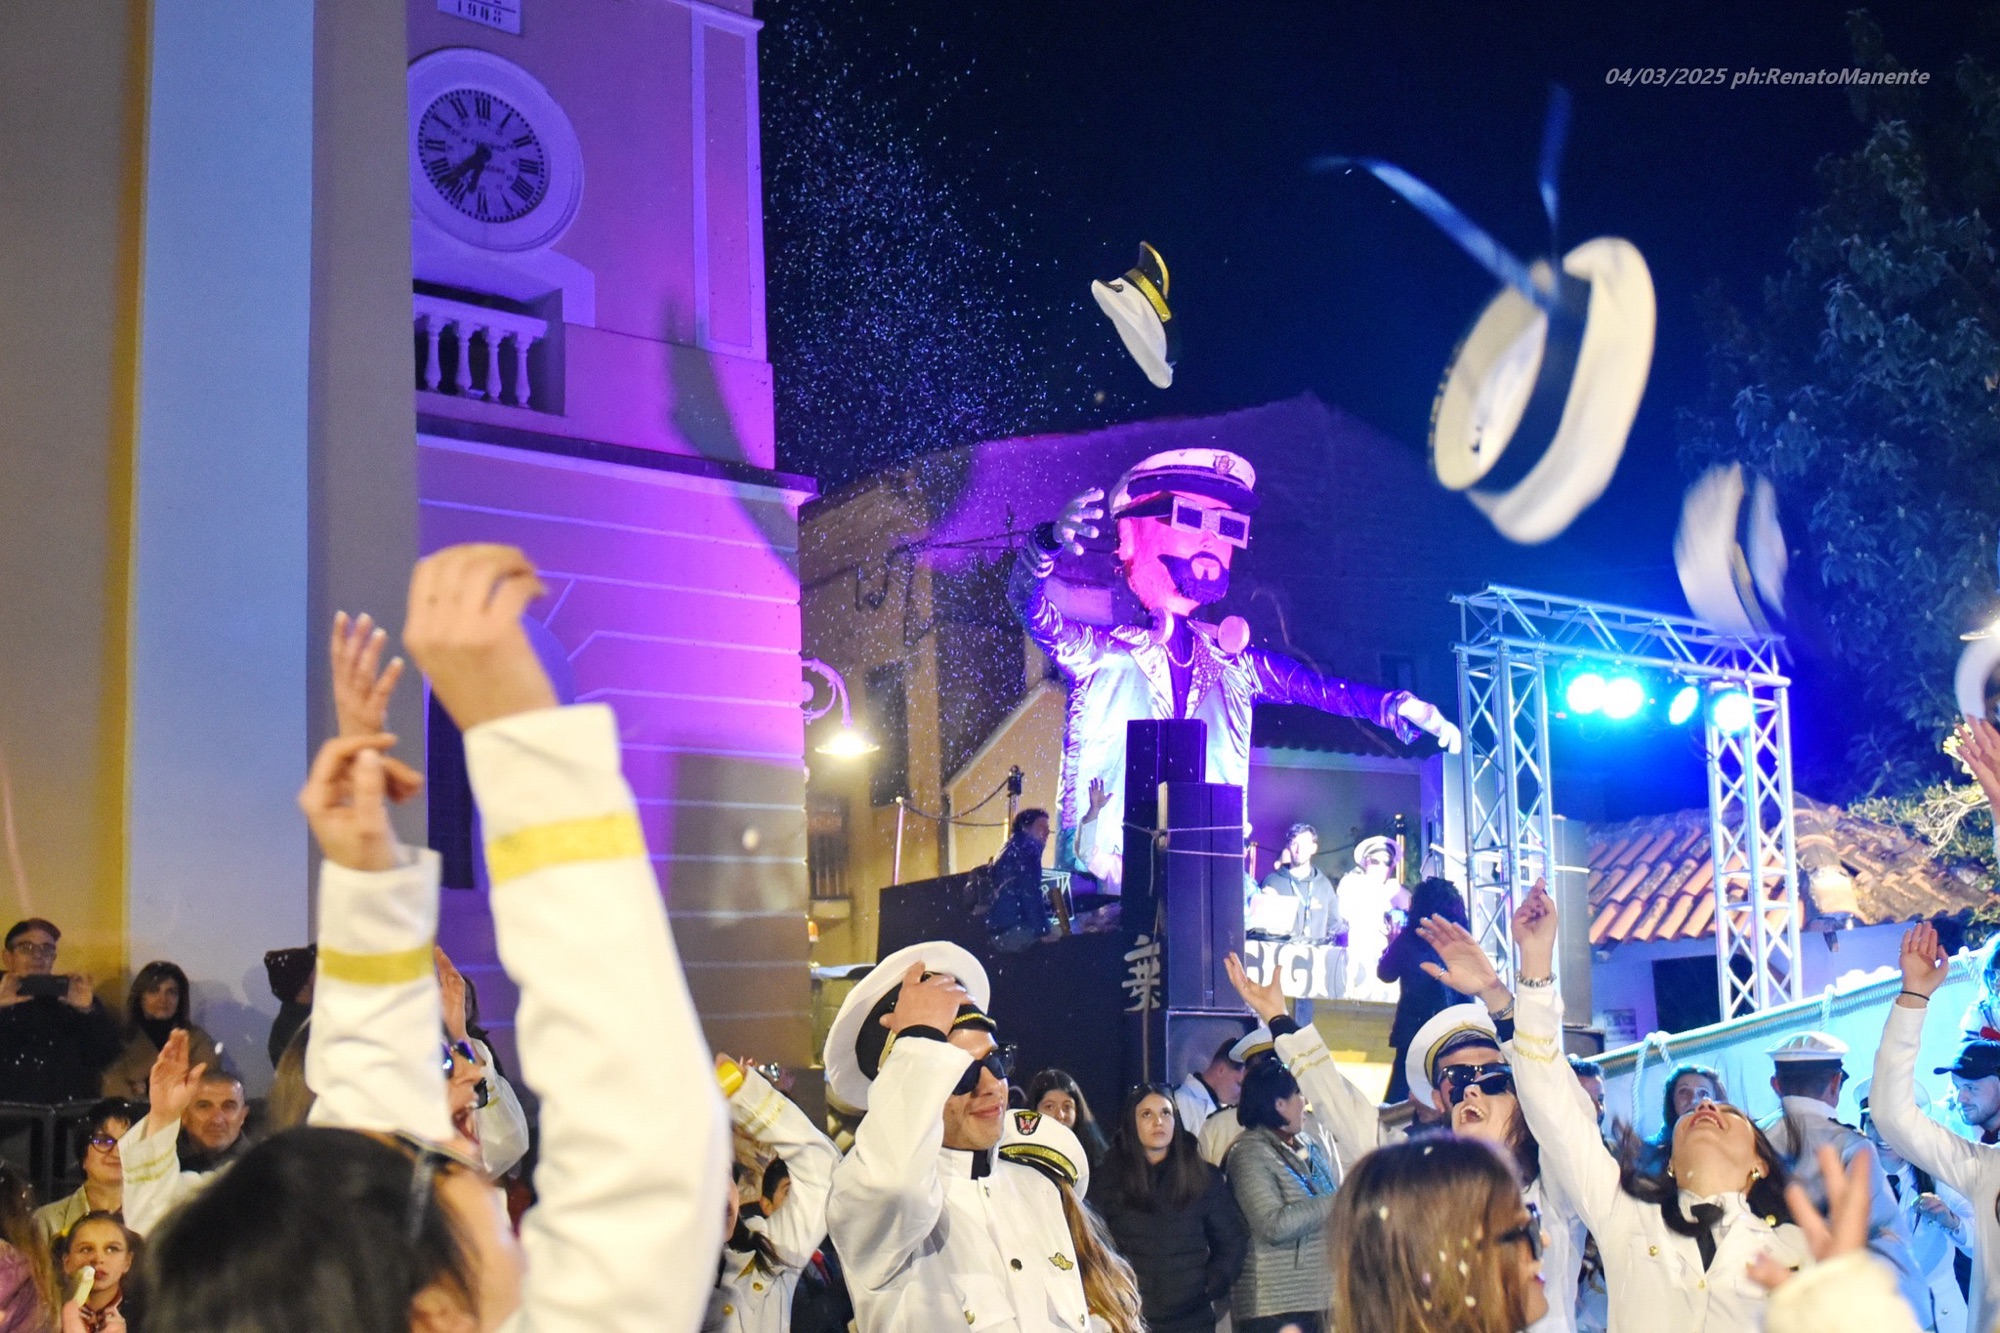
1706 1215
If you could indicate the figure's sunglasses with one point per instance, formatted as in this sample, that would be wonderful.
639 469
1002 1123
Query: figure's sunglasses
1000 1060
1490 1079
1229 526
454 1051
1528 1233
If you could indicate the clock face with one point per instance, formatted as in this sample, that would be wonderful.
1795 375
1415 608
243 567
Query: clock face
482 156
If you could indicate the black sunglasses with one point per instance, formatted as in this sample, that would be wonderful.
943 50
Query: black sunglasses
1000 1060
454 1051
1529 1232
1490 1079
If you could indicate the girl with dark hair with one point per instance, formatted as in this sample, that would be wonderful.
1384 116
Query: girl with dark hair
1171 1214
28 1292
1434 1237
1284 1185
110 1250
156 1007
1677 1244
1686 1087
1054 1092
1419 995
373 1219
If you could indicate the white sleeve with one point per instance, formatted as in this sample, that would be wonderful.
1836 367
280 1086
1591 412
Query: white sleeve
887 1197
1559 1113
1349 1114
1851 1293
373 1058
767 1116
634 1151
155 1185
503 1123
1893 1102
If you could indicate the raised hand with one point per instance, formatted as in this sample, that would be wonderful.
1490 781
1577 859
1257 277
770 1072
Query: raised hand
1079 519
82 992
1842 1229
1923 962
1427 717
926 1002
345 802
464 630
1535 932
1267 999
453 992
1466 968
1100 796
172 1084
362 688
1979 750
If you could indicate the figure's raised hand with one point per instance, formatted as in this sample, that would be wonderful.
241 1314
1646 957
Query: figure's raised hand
1266 999
1428 717
1466 968
464 630
926 1001
1535 932
362 688
1922 961
1080 519
345 800
172 1083
453 993
1979 751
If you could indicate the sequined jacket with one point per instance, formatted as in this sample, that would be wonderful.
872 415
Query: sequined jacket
1120 674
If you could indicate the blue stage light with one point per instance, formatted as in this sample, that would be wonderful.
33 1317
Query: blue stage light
1731 711
1683 706
1624 696
1585 693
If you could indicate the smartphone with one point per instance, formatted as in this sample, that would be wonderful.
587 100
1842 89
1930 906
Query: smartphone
40 984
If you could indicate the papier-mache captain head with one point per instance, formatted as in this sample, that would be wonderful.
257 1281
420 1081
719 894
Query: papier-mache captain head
1182 516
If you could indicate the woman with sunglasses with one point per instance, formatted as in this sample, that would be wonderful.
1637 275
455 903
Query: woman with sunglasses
1677 1247
1456 1064
1434 1237
371 1219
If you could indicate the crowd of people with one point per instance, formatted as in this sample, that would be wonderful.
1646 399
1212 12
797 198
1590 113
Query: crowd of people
396 1179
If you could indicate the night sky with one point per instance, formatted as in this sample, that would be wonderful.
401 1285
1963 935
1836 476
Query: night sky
1068 131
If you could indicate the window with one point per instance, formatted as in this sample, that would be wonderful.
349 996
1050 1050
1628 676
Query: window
889 724
826 846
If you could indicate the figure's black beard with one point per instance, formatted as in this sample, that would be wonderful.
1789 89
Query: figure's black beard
1201 591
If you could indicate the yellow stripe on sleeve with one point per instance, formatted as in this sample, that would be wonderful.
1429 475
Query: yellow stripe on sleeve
602 838
377 969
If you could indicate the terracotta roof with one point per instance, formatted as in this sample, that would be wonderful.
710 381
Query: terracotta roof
1652 879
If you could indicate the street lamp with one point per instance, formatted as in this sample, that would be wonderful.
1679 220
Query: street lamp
848 742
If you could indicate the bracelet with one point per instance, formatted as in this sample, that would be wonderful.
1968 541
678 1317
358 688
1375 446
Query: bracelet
1915 995
1532 984
1502 1015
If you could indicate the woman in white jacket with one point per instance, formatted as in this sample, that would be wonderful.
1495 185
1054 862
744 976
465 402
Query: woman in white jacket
764 1256
370 1220
1677 1249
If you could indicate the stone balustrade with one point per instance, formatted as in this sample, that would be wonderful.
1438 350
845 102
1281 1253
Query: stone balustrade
475 335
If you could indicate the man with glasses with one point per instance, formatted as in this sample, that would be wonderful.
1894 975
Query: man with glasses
937 1231
1181 517
55 1037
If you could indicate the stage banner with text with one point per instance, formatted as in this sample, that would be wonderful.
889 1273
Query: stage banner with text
1306 971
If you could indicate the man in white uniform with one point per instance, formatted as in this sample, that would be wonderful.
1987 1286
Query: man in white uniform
937 1231
1205 1091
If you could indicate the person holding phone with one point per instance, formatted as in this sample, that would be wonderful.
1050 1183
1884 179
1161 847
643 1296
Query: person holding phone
55 1036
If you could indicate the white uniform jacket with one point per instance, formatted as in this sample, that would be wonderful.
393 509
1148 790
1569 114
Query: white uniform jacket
1973 1169
1888 1233
1355 1122
756 1299
1195 1102
928 1245
1936 1249
1654 1275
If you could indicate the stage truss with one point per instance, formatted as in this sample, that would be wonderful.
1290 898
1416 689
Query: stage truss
1513 647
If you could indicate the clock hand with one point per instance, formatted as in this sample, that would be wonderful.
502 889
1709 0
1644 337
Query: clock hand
474 163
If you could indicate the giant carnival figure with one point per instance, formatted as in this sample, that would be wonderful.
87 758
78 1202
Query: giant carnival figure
1182 516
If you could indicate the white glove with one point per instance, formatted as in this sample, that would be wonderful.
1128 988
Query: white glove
1079 519
1428 718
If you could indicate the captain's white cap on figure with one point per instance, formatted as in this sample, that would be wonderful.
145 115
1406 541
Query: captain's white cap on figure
1807 1048
1253 1042
1136 304
850 1068
1367 847
1048 1145
1447 1030
1215 473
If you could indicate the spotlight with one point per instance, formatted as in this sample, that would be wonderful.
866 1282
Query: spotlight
1585 693
1731 711
1623 698
1683 706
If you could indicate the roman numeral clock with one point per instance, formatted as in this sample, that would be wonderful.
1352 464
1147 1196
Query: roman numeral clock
494 161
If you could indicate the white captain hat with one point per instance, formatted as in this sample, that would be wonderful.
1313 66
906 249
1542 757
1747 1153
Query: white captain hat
857 1042
1446 1031
1254 1042
1136 304
1215 473
1048 1145
1808 1048
1729 551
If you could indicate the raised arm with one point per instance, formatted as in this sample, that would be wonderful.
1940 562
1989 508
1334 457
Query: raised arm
1893 1102
1075 648
634 1150
1284 680
1350 1115
767 1116
1555 1104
